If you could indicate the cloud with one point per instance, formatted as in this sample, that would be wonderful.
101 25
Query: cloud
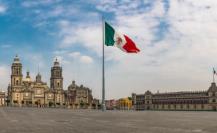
88 35
62 60
75 54
36 59
60 52
126 7
48 12
83 58
6 46
34 62
2 9
86 59
65 57
29 4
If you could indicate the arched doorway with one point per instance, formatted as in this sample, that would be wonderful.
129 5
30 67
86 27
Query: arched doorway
39 103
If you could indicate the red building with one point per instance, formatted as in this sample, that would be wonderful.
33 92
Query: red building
110 104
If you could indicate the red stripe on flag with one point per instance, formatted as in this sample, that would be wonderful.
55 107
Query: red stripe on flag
130 46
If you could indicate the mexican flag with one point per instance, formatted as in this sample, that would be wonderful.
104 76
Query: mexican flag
123 42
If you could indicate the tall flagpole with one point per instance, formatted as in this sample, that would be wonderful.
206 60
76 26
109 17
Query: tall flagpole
213 78
103 67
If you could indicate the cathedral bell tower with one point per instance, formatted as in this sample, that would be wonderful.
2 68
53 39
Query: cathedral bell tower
16 74
56 80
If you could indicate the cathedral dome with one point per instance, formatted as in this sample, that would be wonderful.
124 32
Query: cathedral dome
38 78
72 85
28 78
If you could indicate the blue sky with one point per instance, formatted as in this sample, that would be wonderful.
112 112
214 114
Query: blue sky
176 38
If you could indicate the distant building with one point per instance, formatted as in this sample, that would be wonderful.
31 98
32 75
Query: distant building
2 98
79 96
95 104
198 100
28 92
124 104
110 104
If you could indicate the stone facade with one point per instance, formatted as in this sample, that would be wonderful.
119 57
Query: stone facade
199 100
95 104
56 85
2 98
79 96
26 92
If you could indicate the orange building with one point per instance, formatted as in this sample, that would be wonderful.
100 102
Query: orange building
124 104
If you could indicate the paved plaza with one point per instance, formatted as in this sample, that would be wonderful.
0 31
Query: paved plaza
49 120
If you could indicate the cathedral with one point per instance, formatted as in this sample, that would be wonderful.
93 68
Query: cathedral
36 93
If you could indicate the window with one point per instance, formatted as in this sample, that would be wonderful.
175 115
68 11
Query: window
213 100
17 82
58 84
58 73
17 71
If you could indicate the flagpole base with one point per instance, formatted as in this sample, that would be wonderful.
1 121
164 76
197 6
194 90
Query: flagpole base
103 107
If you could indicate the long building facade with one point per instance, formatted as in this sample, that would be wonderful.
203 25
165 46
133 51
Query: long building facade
198 100
35 92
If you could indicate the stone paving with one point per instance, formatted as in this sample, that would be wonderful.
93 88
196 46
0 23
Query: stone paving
50 120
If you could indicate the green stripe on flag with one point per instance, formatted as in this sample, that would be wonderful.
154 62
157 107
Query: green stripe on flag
109 35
